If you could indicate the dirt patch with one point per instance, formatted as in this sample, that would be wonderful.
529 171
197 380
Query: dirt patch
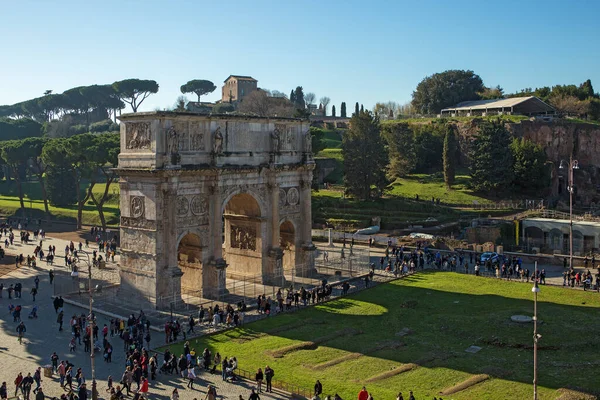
472 381
293 326
248 337
409 304
393 372
499 343
335 361
496 372
570 394
311 345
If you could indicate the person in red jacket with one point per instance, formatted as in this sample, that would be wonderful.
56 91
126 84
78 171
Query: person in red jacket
144 388
363 394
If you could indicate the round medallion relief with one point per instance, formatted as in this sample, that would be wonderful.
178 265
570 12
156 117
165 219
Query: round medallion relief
293 196
137 206
183 205
199 205
282 197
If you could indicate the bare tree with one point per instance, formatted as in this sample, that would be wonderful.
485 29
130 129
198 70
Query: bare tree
260 104
325 101
309 98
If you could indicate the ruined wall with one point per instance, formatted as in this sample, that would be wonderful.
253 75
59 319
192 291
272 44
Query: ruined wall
560 139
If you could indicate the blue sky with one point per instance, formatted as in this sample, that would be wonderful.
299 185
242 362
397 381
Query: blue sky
365 51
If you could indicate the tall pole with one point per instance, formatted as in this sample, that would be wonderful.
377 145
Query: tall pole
535 291
571 212
91 316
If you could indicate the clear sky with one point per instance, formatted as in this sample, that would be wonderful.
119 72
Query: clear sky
365 51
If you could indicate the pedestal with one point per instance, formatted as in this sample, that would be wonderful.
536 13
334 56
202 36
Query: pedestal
330 239
214 279
274 275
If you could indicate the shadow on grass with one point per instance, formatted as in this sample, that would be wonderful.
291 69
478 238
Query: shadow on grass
435 320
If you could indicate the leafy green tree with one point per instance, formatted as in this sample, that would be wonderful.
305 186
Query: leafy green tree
449 154
198 86
299 102
356 108
105 158
343 109
222 108
333 110
428 147
317 135
587 90
135 91
63 189
365 157
446 89
491 158
400 147
15 155
34 148
491 93
13 129
531 173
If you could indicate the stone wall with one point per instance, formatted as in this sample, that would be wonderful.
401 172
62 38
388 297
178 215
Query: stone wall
560 139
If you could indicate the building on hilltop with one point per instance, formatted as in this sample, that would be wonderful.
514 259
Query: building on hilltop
531 106
236 87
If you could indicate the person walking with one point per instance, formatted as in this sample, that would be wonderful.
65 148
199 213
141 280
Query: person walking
144 388
21 329
40 395
269 373
26 384
17 382
34 292
3 391
318 388
59 319
82 392
191 375
51 276
175 394
254 396
363 394
37 282
259 378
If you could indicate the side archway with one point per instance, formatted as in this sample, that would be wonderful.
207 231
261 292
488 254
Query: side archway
189 260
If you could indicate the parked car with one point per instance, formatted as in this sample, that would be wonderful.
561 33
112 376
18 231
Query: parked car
492 256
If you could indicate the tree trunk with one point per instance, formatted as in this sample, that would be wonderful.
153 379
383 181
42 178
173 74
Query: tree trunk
100 204
81 202
43 187
17 178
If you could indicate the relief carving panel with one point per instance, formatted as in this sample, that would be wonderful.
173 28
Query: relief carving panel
137 135
243 238
137 207
197 131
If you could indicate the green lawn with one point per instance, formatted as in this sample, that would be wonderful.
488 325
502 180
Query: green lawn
428 186
34 204
353 341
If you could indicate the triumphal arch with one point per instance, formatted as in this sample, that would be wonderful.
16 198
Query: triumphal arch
206 198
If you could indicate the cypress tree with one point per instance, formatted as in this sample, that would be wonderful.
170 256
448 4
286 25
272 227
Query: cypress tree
343 110
356 109
293 96
449 155
362 108
333 111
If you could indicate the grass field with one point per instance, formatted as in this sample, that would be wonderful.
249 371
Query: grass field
34 204
428 186
353 341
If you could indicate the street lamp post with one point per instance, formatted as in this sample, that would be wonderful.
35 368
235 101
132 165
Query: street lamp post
535 289
91 316
573 164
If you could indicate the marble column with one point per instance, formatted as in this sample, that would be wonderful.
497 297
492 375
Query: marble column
273 270
214 274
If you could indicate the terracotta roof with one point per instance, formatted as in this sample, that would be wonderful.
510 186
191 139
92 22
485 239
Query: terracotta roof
497 103
241 78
